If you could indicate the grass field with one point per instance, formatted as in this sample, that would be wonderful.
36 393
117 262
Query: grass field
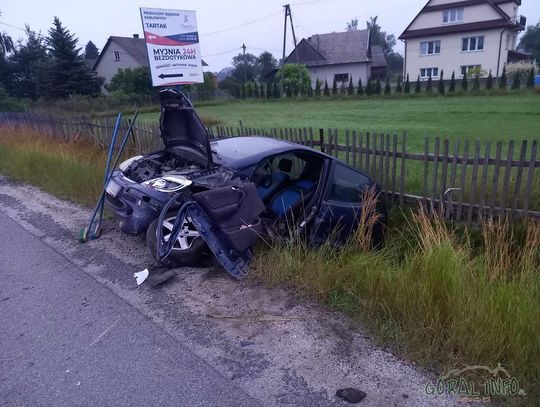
495 118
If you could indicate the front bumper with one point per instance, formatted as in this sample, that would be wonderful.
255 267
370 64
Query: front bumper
134 206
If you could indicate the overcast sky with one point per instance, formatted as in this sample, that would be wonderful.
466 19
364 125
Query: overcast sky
223 25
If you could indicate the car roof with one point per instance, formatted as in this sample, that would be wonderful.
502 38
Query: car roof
241 152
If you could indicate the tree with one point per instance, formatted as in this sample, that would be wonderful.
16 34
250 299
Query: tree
6 44
378 87
326 90
360 90
26 63
399 87
530 79
369 87
65 72
132 81
317 87
334 87
502 79
530 41
489 83
268 90
387 87
276 94
350 91
407 85
441 83
379 37
265 64
352 25
476 83
245 67
294 78
429 87
90 51
464 82
452 87
516 81
418 87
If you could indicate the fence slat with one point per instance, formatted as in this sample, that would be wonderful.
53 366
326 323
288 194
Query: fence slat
394 167
453 172
354 151
474 178
528 186
347 146
435 192
519 176
426 164
507 172
463 180
483 183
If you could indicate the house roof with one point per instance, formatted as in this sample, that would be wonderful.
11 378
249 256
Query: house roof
333 48
136 47
504 22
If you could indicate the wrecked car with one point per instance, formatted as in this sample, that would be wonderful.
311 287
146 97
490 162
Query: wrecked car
199 195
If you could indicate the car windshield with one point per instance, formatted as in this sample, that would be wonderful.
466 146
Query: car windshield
237 148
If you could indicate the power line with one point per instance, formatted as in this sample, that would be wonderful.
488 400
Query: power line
13 26
222 53
241 25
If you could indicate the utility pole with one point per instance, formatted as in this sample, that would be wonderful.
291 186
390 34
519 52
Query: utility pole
288 13
244 51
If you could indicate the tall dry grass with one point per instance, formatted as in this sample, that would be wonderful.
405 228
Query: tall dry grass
440 296
68 168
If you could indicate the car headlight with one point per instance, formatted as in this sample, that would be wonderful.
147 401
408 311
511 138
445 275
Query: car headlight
123 166
168 183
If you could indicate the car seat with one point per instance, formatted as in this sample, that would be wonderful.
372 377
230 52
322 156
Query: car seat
278 180
293 195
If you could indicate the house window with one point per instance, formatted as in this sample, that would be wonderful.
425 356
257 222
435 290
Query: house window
116 55
427 72
341 77
430 47
471 69
453 15
472 44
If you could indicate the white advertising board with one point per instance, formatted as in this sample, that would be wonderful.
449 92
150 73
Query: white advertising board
172 43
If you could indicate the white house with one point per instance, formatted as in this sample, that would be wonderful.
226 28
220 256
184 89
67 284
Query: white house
340 56
462 36
121 53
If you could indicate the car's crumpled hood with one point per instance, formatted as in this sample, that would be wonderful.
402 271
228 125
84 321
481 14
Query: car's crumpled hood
180 126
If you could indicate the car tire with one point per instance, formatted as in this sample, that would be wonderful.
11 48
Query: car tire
188 256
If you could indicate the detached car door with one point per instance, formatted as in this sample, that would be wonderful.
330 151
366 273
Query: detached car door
341 204
227 218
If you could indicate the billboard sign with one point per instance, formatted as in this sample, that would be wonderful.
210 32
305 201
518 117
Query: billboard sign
172 43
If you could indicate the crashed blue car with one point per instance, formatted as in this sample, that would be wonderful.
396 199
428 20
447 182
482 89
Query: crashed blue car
199 195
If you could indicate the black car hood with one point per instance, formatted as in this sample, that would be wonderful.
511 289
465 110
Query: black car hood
180 126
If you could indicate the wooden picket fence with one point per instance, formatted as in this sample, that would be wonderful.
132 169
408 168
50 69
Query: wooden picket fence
466 181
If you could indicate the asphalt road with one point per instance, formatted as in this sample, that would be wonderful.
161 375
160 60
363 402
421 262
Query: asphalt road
68 340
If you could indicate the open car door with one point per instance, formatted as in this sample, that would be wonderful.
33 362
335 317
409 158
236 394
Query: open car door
227 218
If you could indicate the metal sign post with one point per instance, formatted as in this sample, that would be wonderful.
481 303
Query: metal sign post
172 43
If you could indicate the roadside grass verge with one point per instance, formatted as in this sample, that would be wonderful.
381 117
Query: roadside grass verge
69 169
439 294
442 296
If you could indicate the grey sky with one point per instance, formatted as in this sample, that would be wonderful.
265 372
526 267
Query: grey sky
97 19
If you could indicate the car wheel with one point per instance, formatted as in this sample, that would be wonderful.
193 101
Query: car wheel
189 246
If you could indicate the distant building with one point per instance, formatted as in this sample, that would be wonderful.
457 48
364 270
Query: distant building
462 36
340 56
121 53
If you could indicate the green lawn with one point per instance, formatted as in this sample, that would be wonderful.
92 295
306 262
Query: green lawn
495 118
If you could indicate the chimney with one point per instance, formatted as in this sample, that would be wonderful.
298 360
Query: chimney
135 35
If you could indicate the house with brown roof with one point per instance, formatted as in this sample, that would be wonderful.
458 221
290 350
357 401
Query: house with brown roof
462 36
121 53
340 56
